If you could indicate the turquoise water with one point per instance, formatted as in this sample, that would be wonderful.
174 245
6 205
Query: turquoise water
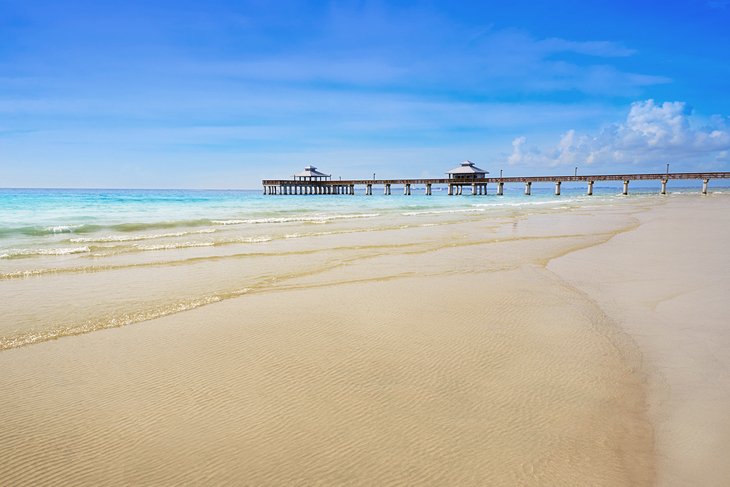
74 261
44 222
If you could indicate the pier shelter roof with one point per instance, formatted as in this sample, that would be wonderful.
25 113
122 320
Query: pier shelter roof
311 173
467 169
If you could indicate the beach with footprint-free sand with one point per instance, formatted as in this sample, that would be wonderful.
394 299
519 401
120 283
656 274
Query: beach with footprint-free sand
553 341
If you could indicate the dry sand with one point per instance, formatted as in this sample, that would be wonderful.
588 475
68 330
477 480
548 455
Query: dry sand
667 284
462 360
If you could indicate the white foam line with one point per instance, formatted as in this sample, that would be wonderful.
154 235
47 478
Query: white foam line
310 219
28 252
134 238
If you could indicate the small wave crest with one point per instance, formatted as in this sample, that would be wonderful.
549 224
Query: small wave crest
19 253
189 245
443 212
136 227
134 238
40 231
292 219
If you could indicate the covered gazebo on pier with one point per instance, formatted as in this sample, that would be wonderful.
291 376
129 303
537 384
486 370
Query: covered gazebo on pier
467 170
466 173
310 173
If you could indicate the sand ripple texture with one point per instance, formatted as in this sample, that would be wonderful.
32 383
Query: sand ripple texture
507 378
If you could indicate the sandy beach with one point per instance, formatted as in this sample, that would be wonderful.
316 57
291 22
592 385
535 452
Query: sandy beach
576 344
666 284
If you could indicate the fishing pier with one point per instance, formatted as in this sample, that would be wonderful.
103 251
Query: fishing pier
313 182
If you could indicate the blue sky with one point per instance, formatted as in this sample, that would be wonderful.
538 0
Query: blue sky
220 94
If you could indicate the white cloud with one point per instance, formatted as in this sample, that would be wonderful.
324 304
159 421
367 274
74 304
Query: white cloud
651 132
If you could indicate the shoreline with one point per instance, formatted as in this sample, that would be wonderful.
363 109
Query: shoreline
268 388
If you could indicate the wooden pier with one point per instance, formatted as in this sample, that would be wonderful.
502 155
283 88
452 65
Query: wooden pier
478 186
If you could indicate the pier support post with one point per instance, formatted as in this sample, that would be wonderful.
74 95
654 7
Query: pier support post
473 189
369 190
451 190
528 188
626 187
557 188
500 188
352 189
386 189
407 189
428 189
704 185
590 188
664 186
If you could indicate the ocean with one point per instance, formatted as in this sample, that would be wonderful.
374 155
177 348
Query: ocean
73 260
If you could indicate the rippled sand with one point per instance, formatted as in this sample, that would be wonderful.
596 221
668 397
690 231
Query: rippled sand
442 355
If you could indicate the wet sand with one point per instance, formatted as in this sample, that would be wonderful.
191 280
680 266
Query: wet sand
452 355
